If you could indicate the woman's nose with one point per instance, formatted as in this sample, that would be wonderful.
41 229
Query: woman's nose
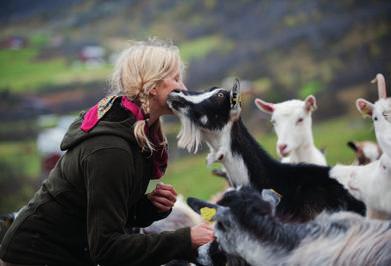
183 87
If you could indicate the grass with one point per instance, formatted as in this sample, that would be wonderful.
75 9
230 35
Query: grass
334 134
20 71
191 177
22 155
200 47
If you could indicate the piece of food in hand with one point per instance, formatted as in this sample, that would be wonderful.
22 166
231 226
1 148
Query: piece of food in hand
207 213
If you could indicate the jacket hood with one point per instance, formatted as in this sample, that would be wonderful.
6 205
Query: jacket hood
116 116
75 135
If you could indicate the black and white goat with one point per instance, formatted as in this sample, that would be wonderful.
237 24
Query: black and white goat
214 117
247 227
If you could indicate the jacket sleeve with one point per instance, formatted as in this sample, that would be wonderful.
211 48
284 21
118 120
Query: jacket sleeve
108 177
145 213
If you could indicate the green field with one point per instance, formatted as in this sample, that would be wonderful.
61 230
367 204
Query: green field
22 71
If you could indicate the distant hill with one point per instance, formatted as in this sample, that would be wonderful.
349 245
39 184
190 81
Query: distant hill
286 48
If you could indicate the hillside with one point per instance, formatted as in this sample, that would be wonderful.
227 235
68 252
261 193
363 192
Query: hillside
285 47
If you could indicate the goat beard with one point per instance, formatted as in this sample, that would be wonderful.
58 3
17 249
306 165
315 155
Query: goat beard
189 137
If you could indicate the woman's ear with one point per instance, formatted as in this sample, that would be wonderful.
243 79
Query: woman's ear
153 91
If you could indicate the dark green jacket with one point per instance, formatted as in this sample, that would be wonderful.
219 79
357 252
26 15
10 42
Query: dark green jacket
82 212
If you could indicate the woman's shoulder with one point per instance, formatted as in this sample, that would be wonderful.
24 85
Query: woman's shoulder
106 142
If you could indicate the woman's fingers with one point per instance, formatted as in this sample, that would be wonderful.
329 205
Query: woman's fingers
166 187
164 194
163 197
201 234
162 200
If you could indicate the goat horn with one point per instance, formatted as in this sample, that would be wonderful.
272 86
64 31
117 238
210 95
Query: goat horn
381 85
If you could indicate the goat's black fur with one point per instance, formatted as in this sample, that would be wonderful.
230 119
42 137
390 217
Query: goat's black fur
306 189
252 212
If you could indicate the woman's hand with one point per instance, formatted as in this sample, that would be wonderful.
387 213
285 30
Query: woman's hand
201 234
163 197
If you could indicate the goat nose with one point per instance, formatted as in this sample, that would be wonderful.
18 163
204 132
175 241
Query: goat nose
282 147
176 90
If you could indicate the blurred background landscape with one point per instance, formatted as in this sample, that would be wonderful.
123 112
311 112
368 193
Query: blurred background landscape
56 58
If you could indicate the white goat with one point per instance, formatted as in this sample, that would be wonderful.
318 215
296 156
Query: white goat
292 123
181 216
372 183
247 227
380 112
369 183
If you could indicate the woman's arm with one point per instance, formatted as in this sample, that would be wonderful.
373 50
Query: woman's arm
108 177
145 213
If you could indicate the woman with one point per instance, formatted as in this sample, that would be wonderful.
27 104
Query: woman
96 192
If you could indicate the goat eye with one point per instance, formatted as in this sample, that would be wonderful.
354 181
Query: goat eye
375 118
220 94
299 120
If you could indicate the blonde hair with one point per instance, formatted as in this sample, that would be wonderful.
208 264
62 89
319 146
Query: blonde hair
140 68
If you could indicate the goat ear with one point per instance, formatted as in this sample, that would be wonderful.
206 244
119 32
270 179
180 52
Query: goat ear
364 107
310 103
272 197
235 101
235 95
264 106
198 204
352 145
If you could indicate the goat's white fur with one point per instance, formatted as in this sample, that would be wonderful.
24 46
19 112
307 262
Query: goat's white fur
189 137
372 183
366 152
181 216
365 242
219 143
200 97
369 183
380 112
297 136
355 247
203 255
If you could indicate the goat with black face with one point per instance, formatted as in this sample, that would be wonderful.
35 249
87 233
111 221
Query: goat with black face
214 117
209 110
246 227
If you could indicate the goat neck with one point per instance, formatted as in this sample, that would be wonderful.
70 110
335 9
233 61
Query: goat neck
246 156
307 153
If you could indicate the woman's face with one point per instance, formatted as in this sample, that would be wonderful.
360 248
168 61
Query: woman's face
160 92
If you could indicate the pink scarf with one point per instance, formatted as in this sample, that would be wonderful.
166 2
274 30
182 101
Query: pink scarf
92 117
